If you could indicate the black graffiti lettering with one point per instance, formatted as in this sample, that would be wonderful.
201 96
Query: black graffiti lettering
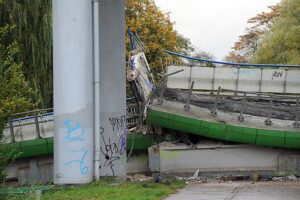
277 74
112 151
117 123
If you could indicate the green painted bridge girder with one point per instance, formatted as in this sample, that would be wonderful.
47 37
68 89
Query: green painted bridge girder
44 146
222 131
209 129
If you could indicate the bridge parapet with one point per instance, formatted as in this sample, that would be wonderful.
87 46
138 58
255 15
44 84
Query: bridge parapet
39 124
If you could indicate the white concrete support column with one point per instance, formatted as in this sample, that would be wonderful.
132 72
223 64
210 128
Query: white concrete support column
113 88
73 93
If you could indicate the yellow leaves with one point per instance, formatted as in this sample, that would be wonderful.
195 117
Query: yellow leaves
155 30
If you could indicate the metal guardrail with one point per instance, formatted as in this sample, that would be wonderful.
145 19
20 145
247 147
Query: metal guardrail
134 117
221 96
24 120
167 61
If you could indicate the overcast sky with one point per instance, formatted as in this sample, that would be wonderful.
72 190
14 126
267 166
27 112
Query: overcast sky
213 25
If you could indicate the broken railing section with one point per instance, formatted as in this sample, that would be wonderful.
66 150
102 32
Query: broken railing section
163 85
219 98
134 113
138 70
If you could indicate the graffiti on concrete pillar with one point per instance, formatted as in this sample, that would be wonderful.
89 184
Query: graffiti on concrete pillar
117 123
75 135
113 143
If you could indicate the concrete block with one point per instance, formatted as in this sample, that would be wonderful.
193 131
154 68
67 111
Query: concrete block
154 158
181 158
289 163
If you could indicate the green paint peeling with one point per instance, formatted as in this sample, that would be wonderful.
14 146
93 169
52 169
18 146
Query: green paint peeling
166 154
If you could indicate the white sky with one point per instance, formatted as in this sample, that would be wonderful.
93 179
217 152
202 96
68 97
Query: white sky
213 25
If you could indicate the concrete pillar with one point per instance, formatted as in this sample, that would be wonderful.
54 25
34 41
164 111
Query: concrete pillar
33 171
73 95
113 88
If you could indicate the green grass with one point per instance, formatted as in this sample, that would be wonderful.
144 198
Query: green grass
106 190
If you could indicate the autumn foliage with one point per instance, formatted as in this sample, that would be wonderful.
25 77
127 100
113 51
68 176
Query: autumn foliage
155 29
273 37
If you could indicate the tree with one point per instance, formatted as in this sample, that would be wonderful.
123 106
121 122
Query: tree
155 29
203 55
246 46
281 44
33 20
15 93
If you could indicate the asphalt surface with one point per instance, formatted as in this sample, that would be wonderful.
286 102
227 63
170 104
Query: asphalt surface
281 190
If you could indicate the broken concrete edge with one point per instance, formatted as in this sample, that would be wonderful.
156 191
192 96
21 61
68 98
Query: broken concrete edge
44 146
221 131
229 176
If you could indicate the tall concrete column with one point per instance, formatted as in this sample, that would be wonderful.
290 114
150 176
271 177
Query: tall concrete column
73 95
113 88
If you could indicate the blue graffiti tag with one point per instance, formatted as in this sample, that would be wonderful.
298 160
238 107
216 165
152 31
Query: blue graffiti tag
75 133
246 71
83 169
73 130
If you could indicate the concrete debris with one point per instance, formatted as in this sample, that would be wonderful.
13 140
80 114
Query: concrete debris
278 178
178 178
139 178
195 174
287 178
201 179
292 178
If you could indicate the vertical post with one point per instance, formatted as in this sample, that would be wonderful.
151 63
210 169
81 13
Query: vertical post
297 124
37 126
285 81
73 91
190 79
214 110
261 80
241 116
162 91
187 106
237 81
113 88
268 120
213 79
11 128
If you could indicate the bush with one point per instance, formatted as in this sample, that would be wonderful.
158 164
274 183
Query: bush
15 93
